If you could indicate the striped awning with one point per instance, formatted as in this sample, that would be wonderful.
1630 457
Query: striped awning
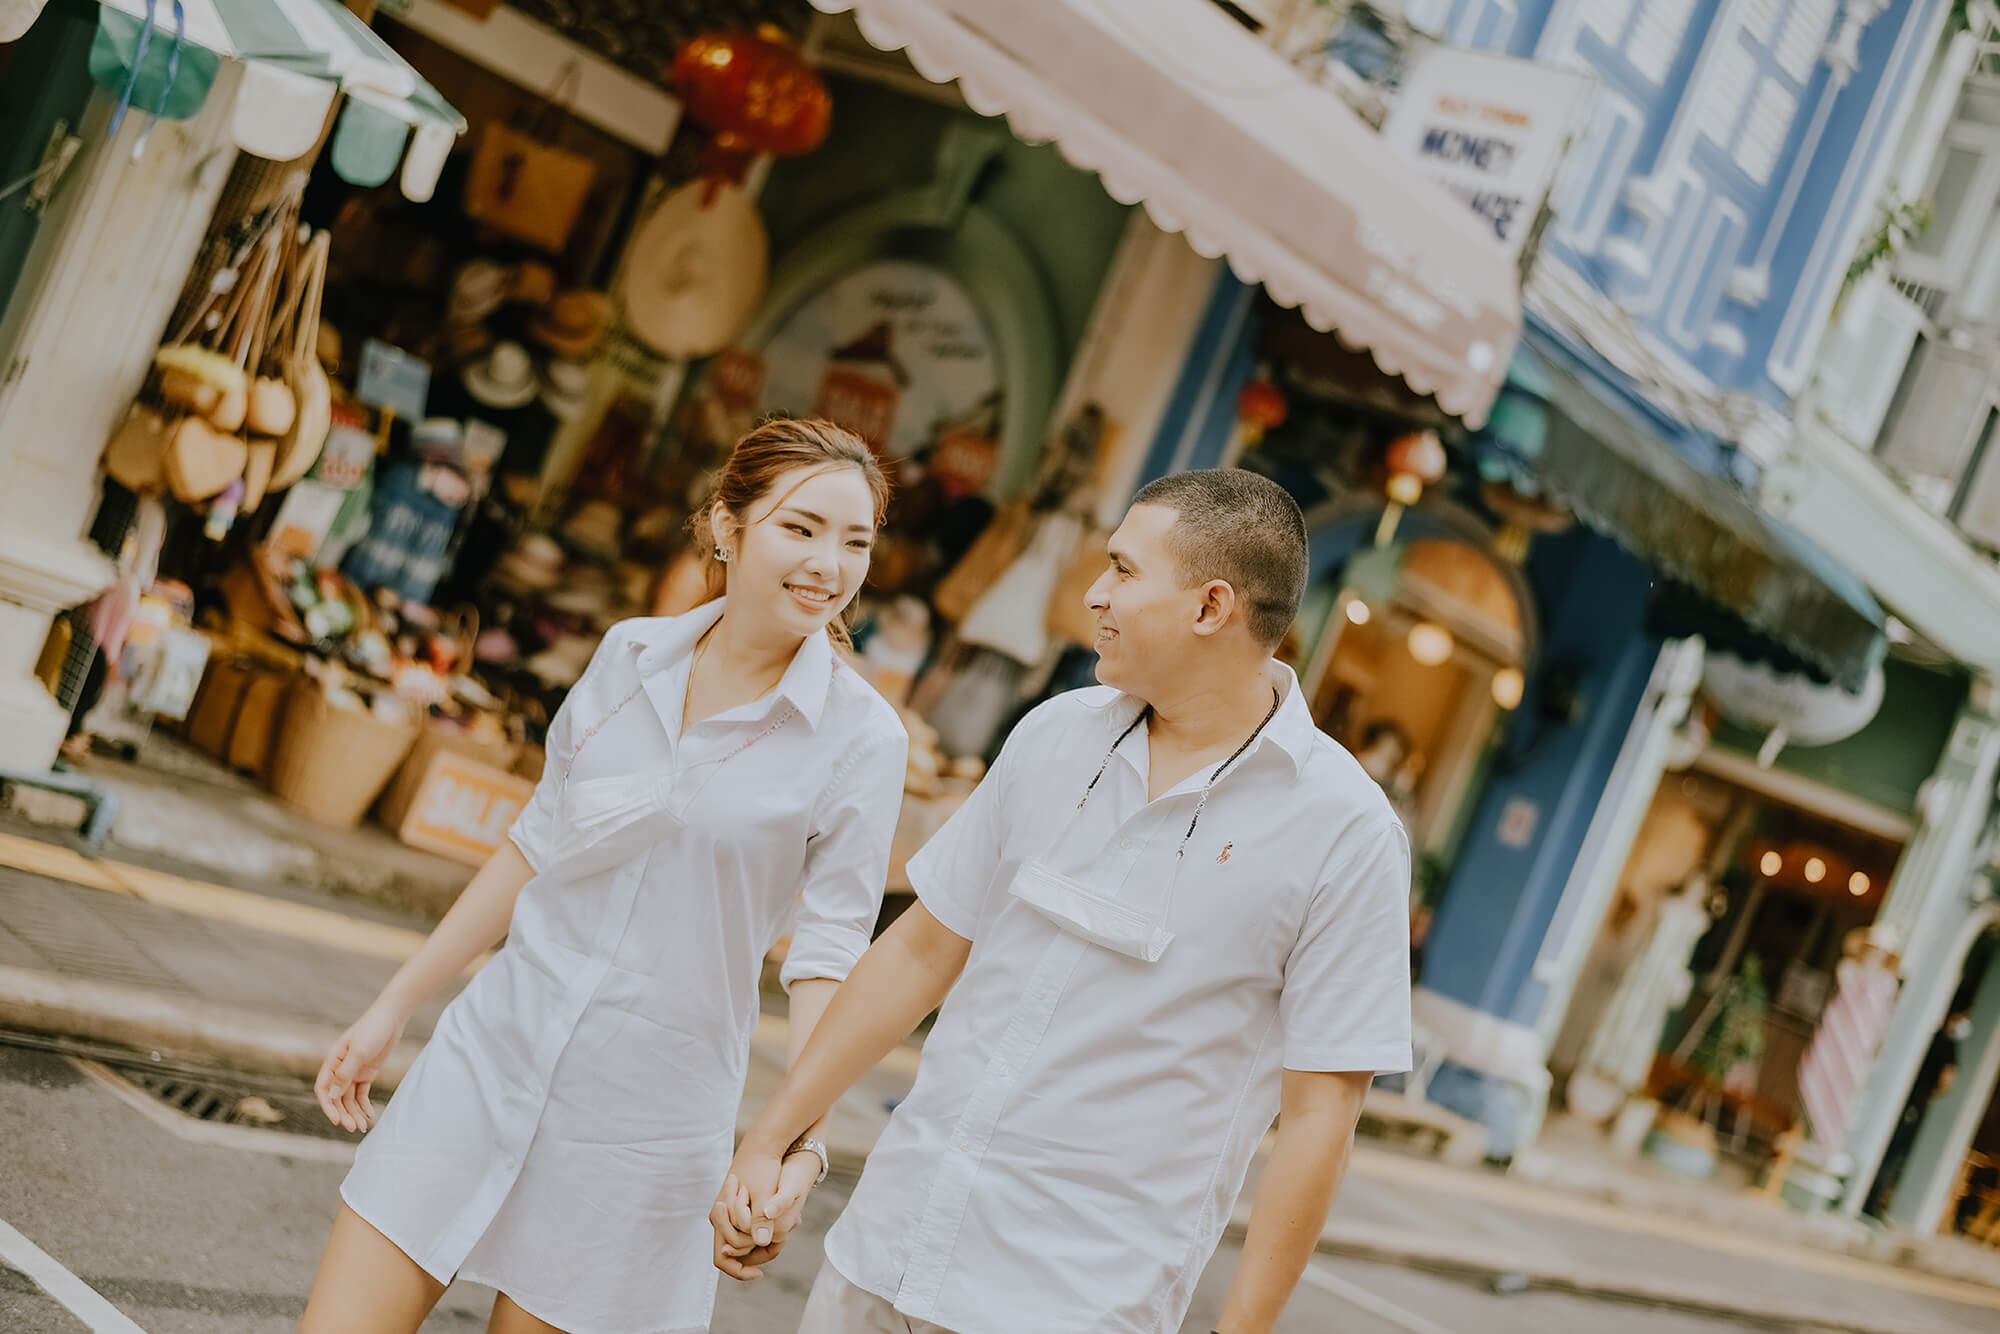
298 57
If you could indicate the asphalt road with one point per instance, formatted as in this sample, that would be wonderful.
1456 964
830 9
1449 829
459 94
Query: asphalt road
181 1237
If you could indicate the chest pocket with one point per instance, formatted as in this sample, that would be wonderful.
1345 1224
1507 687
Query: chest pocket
605 822
1089 915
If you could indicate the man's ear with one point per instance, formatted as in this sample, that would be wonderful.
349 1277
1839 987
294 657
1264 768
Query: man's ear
1218 607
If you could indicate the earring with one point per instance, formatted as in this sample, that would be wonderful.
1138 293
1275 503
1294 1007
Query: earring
723 555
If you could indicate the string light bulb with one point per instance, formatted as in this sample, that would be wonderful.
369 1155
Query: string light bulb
1430 643
1771 864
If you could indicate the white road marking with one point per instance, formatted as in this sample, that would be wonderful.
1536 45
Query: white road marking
83 1301
1321 1276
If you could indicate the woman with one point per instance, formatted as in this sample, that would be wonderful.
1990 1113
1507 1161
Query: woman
563 1134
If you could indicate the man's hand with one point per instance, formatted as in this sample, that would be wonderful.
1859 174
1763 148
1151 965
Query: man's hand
753 1220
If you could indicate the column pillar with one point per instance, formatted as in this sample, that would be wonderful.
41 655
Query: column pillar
1927 904
1607 845
107 266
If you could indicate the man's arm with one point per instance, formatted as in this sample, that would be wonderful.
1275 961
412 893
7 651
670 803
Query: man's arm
902 977
1315 1132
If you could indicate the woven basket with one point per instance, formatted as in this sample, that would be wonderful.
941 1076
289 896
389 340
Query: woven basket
331 763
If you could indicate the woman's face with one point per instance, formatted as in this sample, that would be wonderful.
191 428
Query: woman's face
801 553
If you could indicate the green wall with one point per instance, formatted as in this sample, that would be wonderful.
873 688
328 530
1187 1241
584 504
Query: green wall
883 141
1886 761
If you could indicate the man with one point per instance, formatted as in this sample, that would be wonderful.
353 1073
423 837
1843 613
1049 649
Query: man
1172 908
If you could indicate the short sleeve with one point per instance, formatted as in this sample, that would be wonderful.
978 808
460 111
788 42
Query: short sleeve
1346 998
847 864
954 871
533 829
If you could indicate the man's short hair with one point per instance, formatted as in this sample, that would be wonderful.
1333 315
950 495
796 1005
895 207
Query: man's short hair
1244 529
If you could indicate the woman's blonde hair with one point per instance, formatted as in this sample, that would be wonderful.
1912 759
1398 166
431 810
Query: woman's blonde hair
774 448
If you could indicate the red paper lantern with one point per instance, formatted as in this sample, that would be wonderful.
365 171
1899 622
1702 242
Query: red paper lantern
1260 405
755 94
1418 455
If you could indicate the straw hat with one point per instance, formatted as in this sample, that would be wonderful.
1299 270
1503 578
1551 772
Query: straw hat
531 283
697 271
477 290
566 389
572 325
504 378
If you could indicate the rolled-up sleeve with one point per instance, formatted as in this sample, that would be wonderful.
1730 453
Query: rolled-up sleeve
1346 998
847 863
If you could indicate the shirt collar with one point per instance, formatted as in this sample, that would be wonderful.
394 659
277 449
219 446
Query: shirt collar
1291 729
804 685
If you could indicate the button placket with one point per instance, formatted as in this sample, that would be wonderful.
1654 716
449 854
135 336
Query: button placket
951 1189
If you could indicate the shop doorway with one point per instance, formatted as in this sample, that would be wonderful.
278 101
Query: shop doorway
1715 963
1414 679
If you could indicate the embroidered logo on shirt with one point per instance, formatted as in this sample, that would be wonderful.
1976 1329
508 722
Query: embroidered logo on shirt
1223 856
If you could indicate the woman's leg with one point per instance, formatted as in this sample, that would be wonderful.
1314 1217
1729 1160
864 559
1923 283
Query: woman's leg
508 1318
365 1282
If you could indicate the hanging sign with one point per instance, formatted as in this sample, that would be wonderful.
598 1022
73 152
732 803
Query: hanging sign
1805 712
896 351
1489 128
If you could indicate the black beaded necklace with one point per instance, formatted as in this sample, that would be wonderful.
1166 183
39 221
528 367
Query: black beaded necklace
1235 755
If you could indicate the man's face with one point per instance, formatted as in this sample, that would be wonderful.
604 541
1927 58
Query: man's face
1145 616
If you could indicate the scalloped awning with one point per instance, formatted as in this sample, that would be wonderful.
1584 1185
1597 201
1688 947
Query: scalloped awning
1175 106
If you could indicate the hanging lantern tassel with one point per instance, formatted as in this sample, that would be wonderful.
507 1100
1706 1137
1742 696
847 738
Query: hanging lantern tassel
1260 407
1415 461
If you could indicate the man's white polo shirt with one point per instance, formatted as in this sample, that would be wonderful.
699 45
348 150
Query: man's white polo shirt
1083 1119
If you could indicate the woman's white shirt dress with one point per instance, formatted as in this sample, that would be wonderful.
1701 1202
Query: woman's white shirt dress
565 1131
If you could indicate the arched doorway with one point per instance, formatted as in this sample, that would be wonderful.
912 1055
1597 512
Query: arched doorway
1423 650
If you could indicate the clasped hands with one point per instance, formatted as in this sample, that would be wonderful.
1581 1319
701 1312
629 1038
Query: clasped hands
762 1200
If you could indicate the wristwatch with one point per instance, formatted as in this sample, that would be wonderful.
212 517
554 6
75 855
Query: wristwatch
804 1144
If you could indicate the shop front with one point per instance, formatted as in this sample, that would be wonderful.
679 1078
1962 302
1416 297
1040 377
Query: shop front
519 374
122 132
1704 1019
1545 594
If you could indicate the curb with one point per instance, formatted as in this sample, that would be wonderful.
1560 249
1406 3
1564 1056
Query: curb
149 1019
1471 1260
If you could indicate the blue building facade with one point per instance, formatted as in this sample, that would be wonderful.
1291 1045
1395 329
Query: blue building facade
1702 229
